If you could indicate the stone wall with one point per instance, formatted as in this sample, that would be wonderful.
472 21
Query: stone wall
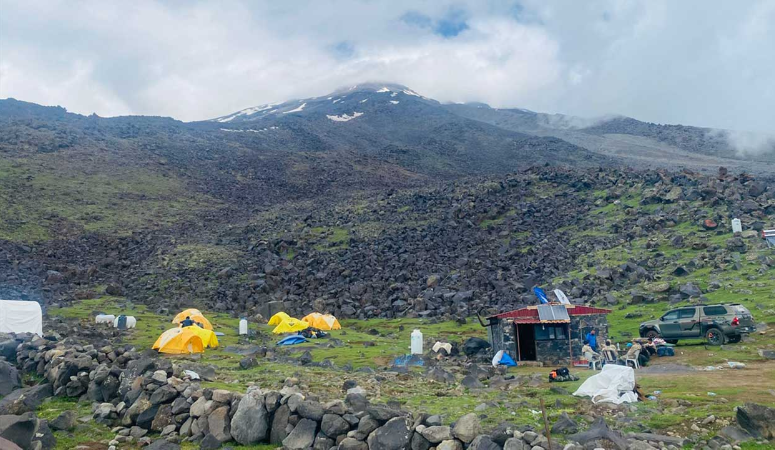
137 395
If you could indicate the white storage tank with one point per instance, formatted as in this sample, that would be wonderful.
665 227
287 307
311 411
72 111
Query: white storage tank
416 342
243 326
105 318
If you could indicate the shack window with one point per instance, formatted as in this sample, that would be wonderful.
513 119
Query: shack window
550 332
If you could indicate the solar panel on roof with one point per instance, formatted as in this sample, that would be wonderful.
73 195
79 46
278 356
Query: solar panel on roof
552 312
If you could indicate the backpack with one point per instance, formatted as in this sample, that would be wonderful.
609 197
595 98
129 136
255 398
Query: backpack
665 351
562 372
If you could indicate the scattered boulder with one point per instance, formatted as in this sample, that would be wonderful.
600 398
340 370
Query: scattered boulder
564 425
66 421
9 378
757 419
474 345
467 428
19 429
302 437
394 435
250 423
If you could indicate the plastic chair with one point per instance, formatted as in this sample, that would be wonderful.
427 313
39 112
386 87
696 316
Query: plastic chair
592 361
634 360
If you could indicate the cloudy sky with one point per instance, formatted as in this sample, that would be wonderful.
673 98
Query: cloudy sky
690 62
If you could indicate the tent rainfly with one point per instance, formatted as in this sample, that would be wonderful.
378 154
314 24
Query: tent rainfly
179 341
290 326
195 315
19 316
278 318
322 321
209 340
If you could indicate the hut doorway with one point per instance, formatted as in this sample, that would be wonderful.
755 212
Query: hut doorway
526 341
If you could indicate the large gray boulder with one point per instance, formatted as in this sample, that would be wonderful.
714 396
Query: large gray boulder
250 423
352 444
65 421
310 410
19 429
436 434
483 442
219 424
452 444
516 444
25 400
757 419
394 435
302 436
279 424
145 418
333 425
467 428
9 378
163 394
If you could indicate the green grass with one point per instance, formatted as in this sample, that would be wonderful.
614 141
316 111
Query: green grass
90 432
330 238
43 197
197 256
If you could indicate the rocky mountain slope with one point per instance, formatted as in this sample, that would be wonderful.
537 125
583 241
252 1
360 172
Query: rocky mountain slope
370 202
637 143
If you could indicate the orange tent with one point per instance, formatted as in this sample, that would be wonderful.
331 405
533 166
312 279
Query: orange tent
195 315
179 341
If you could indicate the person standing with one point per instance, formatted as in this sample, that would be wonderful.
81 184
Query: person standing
591 339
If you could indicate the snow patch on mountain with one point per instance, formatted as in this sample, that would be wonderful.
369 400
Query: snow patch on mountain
245 112
384 89
395 102
296 109
345 117
230 130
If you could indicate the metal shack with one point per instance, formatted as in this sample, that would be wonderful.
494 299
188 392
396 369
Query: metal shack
551 333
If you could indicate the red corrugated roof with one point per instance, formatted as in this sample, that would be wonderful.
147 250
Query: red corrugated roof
531 320
532 311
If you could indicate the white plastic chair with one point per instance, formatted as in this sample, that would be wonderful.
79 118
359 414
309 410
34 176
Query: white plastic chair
592 361
634 360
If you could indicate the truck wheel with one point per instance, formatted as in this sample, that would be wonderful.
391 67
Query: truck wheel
734 339
714 336
651 334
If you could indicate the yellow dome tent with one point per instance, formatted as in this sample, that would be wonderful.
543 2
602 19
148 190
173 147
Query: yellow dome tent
322 321
278 318
195 315
179 341
209 339
290 326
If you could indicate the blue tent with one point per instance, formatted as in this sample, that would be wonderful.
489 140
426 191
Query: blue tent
540 294
503 359
292 340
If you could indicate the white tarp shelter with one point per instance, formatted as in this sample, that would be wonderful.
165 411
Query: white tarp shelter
19 316
614 384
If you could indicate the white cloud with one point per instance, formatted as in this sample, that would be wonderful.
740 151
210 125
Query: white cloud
663 61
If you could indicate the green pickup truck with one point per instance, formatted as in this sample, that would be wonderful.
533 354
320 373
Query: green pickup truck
718 324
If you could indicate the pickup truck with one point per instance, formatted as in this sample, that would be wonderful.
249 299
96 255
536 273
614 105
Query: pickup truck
718 324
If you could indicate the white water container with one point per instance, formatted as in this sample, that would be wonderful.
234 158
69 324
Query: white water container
243 326
416 342
737 226
105 318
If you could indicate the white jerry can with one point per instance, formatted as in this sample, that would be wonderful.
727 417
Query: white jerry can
243 326
737 226
416 342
